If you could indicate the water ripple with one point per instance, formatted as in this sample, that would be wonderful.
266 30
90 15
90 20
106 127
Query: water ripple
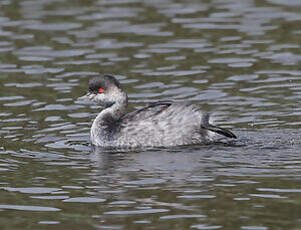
29 208
238 60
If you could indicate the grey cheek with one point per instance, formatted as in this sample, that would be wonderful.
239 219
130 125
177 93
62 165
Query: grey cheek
91 96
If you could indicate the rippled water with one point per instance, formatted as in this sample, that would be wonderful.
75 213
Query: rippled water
240 59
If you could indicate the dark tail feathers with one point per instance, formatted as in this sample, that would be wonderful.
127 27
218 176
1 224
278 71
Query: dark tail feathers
220 131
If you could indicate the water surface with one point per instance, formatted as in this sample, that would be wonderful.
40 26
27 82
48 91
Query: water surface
238 59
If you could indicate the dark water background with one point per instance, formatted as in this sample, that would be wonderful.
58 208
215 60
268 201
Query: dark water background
240 59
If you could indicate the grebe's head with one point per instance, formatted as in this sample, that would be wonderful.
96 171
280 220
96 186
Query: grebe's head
104 90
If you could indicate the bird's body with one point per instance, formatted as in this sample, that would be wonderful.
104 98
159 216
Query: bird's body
164 123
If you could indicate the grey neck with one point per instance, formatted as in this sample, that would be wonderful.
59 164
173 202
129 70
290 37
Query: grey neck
112 114
105 124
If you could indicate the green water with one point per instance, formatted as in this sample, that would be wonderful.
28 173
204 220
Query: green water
238 59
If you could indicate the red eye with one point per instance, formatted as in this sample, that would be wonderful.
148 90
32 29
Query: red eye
100 90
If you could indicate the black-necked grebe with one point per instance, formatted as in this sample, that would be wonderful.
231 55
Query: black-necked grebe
164 123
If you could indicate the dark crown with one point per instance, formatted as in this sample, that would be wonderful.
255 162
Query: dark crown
104 82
